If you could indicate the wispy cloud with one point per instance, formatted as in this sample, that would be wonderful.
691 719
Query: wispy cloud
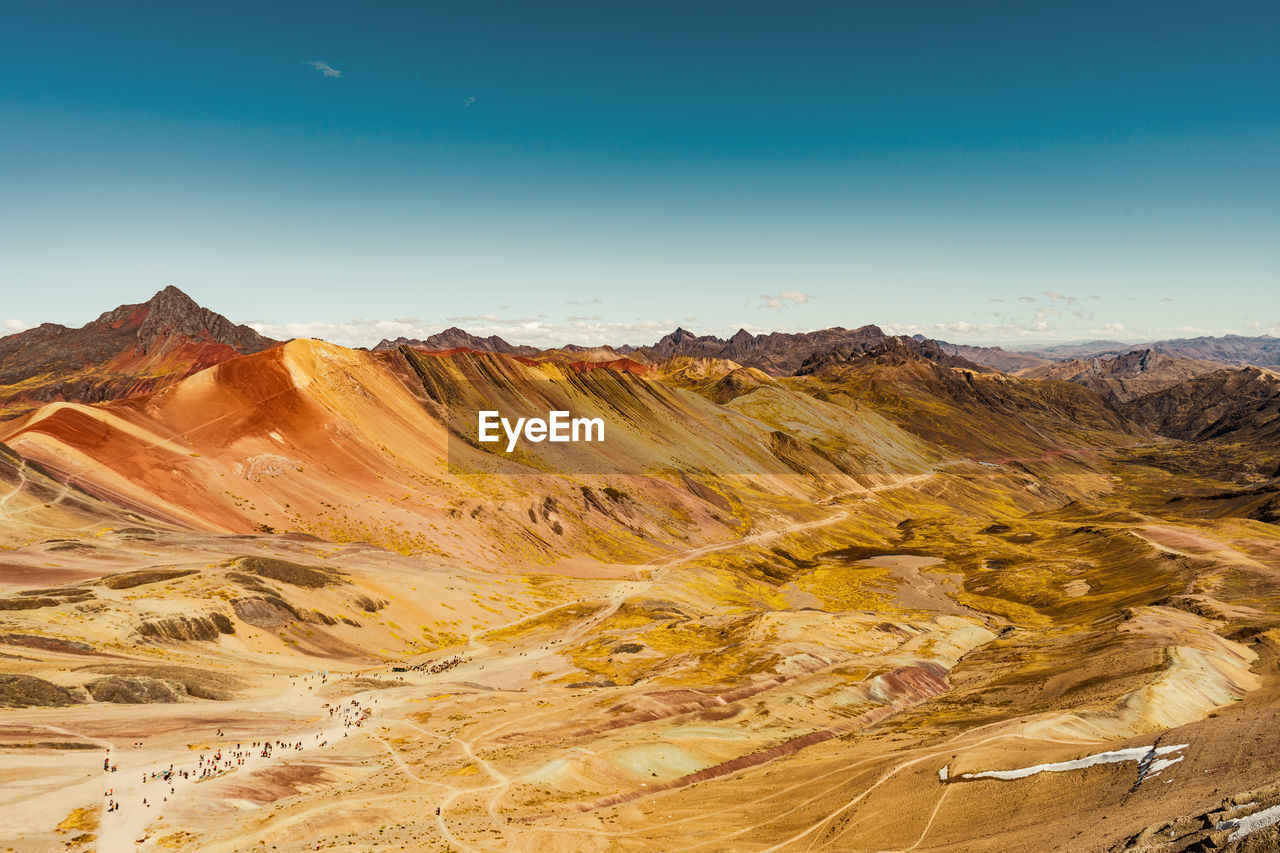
1256 327
784 299
324 68
469 101
14 326
494 319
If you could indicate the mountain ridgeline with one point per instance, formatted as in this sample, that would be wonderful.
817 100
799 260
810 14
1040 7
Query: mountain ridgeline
1153 386
1190 389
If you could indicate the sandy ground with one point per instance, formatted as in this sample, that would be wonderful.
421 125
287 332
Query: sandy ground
670 703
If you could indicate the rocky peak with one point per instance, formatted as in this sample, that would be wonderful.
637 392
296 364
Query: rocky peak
680 340
680 336
171 313
455 338
129 350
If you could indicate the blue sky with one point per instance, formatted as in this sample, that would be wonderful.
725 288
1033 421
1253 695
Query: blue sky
595 172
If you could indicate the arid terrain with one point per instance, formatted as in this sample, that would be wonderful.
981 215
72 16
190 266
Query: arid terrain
841 591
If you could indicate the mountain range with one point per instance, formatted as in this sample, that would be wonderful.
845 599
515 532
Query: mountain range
137 349
835 590
1259 351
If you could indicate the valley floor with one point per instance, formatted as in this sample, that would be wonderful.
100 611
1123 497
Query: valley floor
833 682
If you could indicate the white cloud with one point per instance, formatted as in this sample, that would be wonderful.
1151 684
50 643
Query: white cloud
15 326
324 68
785 299
466 102
493 319
356 332
1003 330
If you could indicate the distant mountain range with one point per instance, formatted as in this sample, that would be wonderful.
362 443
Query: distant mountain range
782 353
1124 377
775 353
1187 388
455 338
1260 351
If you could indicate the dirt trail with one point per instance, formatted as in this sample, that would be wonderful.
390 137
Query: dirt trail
22 481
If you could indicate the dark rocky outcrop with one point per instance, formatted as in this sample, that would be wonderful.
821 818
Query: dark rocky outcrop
205 627
135 690
295 574
188 681
32 603
27 691
48 644
1225 827
266 613
128 580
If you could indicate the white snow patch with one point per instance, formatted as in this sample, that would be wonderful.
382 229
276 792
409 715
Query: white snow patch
1161 763
1248 825
1136 753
